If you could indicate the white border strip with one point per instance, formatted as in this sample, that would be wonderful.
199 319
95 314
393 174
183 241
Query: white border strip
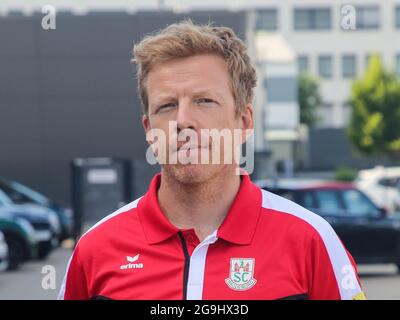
197 267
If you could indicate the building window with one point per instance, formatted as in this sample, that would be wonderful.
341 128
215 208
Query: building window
303 64
267 19
367 17
397 17
325 114
349 66
325 66
397 67
312 19
281 89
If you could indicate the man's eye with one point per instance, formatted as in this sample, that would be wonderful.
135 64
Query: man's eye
204 100
167 105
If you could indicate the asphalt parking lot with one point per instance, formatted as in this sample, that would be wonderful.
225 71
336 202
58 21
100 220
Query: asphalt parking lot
26 282
30 282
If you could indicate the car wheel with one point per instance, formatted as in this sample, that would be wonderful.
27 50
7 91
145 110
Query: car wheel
15 252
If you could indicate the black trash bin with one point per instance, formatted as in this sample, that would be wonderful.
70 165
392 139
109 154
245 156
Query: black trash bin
99 187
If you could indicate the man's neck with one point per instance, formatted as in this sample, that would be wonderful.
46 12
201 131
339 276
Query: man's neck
202 207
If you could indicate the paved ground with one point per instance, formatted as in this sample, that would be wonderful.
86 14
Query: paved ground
379 281
26 283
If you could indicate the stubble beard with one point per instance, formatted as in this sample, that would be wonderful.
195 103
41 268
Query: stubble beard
195 175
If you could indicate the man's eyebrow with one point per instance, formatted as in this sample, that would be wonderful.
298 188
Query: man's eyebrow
207 92
163 97
168 97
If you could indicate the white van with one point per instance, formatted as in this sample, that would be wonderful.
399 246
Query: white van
382 184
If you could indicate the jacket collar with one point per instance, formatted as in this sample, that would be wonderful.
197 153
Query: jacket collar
238 226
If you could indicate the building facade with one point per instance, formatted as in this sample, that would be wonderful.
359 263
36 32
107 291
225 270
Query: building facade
333 41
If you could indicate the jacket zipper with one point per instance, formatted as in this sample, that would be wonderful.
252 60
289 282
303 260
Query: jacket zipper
186 266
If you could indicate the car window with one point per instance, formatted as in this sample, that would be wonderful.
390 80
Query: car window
357 204
4 200
306 200
328 201
29 194
14 196
388 182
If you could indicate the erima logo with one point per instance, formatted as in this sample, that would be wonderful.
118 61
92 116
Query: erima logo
131 264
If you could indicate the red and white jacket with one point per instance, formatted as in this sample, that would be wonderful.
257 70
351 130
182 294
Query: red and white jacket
266 248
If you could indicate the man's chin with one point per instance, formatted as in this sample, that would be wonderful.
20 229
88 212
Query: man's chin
191 174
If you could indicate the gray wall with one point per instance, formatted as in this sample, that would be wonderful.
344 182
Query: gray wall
330 148
71 92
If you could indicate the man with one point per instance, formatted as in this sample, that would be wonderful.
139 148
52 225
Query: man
202 231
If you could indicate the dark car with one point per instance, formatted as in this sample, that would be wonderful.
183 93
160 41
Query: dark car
43 220
367 231
20 238
21 194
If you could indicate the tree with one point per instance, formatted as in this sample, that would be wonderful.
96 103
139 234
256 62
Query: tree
309 99
374 127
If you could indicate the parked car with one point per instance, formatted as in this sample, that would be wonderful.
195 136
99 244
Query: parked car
367 231
382 185
44 222
20 238
21 194
3 253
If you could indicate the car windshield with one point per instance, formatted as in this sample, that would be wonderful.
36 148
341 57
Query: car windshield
357 204
393 182
4 199
328 201
19 193
307 201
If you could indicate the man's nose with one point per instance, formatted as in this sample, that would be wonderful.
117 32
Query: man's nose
185 116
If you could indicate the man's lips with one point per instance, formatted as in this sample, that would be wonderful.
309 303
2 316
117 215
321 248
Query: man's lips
186 147
191 151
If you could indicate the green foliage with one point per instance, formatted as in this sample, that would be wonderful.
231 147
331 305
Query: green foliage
309 99
375 120
346 174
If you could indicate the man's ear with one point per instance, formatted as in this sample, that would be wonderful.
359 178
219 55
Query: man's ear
147 127
247 121
146 123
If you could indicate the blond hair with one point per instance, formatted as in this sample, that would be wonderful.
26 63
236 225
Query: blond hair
186 39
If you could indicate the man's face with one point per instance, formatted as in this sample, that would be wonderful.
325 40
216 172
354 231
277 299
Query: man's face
195 93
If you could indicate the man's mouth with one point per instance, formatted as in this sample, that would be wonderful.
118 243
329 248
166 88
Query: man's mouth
190 151
189 147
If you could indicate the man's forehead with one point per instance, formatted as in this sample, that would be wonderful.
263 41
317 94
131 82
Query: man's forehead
198 60
200 66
